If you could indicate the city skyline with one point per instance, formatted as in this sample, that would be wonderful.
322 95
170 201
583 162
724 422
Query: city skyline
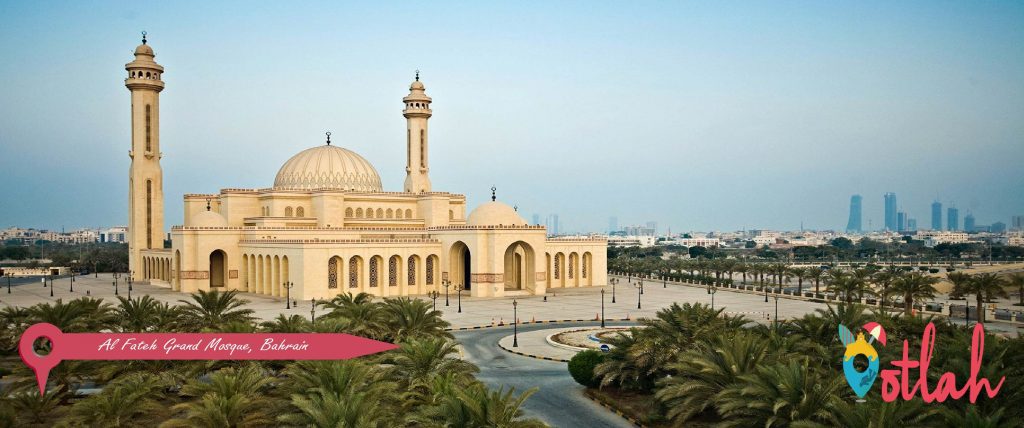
771 103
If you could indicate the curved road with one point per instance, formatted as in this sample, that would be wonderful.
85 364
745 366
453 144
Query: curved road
559 401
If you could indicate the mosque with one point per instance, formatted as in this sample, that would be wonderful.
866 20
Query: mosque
327 226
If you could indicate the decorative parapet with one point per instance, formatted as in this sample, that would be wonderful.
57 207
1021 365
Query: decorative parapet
493 227
322 190
339 241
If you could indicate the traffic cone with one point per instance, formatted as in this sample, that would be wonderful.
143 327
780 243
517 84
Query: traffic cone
533 319
596 316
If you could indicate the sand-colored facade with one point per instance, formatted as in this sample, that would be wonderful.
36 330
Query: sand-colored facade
327 227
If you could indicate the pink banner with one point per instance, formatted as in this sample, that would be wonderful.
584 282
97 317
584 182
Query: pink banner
188 346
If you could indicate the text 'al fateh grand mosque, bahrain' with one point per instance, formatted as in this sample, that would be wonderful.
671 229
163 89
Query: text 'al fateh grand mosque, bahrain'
327 227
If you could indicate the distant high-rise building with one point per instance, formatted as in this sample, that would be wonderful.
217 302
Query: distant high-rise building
552 224
901 221
912 224
969 222
997 227
854 224
952 219
1017 222
653 225
536 219
890 211
613 224
936 215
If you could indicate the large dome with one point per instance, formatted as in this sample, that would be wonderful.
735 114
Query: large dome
328 167
494 214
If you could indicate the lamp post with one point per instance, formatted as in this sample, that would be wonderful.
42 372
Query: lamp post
312 311
765 293
288 293
515 323
115 283
664 282
51 285
72 287
776 320
433 295
713 291
602 308
95 270
613 281
640 291
458 289
446 283
9 275
131 280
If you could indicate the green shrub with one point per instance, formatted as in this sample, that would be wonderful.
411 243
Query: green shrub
581 367
933 270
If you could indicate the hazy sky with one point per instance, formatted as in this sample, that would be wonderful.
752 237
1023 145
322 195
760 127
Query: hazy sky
718 115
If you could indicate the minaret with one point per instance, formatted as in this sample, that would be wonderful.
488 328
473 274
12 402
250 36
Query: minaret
417 111
145 177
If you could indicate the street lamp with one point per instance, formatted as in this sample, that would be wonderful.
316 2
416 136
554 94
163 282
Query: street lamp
288 294
458 289
51 285
130 279
312 311
602 308
640 291
613 281
446 283
765 292
713 291
9 275
72 288
515 323
115 282
433 295
776 320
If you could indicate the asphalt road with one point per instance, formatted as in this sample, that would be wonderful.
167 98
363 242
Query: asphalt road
559 401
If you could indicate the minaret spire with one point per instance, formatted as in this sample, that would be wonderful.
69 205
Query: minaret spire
417 112
494 195
143 37
328 138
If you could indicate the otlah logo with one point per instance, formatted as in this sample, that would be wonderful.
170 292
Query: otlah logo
861 381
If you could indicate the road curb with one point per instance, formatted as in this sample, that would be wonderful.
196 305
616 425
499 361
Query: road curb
613 409
477 327
539 357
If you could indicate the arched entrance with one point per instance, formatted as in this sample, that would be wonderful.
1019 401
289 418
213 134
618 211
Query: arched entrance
519 267
218 273
459 272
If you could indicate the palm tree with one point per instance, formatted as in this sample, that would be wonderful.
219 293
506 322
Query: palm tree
1016 280
816 274
842 282
418 362
143 314
742 268
356 314
876 413
884 279
800 274
343 393
231 398
699 374
406 318
130 401
32 408
984 286
782 394
959 281
213 309
476 406
287 324
914 287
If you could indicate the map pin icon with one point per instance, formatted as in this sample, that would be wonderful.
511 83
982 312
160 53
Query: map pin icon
40 364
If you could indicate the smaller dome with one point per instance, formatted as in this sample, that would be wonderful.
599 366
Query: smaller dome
208 219
417 85
493 214
144 49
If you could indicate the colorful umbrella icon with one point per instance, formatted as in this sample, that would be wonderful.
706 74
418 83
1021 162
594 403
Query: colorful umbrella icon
876 331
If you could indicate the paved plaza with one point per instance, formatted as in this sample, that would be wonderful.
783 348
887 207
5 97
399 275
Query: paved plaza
559 304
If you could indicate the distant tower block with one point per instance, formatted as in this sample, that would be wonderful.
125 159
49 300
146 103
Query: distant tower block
145 177
417 111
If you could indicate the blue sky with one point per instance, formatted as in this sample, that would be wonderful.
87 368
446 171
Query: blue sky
701 116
